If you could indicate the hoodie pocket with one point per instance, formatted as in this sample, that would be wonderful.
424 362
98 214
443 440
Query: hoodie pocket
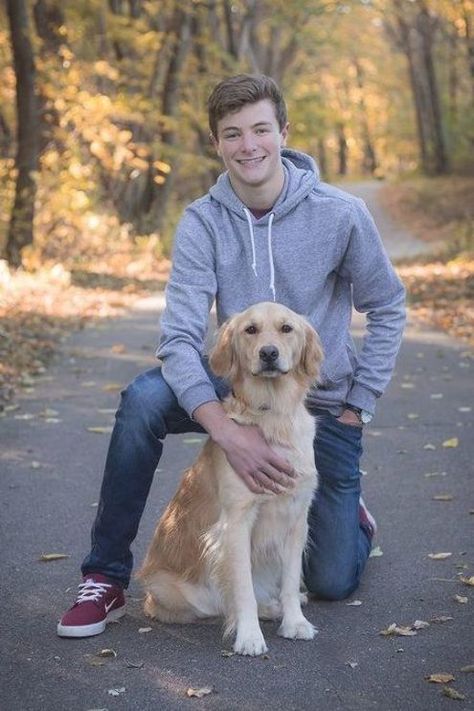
339 366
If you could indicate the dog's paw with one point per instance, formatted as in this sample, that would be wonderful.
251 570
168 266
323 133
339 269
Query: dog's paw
251 644
300 629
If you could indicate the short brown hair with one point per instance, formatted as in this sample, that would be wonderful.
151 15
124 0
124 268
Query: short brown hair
233 93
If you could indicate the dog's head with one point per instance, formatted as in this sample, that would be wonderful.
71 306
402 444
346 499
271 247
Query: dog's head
267 340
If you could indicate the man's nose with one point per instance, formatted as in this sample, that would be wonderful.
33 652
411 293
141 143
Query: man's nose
248 142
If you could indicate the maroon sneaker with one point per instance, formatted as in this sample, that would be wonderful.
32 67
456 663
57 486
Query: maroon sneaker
366 520
99 601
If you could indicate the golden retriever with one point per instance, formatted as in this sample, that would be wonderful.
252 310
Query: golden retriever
219 549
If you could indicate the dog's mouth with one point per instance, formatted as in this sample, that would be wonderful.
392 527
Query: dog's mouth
269 370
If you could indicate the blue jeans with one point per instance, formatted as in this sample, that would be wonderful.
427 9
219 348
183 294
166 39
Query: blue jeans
337 548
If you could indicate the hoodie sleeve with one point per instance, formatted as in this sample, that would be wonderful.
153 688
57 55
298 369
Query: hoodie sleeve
378 292
190 293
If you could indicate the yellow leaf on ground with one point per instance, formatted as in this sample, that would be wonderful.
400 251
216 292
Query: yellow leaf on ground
452 693
443 497
118 348
439 556
453 442
462 599
47 557
111 387
467 581
199 693
440 678
100 430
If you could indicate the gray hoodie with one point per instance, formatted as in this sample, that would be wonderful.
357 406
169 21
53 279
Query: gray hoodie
317 251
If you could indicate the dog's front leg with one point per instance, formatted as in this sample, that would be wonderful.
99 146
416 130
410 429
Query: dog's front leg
236 577
294 624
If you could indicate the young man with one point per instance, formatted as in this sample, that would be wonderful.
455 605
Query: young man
269 229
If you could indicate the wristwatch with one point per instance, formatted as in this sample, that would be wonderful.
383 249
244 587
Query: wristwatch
364 416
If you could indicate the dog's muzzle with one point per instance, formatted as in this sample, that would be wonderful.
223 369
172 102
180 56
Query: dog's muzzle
269 357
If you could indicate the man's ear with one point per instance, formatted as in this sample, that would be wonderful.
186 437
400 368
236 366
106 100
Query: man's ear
284 135
215 143
222 358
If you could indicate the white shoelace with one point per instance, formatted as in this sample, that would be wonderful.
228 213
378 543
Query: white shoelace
91 590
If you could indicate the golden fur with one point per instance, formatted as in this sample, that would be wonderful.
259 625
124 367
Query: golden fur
219 549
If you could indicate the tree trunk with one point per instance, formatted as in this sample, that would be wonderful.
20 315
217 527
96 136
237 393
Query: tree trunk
369 161
342 150
21 222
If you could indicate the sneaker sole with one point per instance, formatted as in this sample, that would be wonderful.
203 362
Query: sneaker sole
90 630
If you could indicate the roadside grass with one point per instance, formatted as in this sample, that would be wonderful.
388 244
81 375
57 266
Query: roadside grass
440 211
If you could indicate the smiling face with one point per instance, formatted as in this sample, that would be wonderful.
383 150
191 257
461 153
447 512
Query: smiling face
249 142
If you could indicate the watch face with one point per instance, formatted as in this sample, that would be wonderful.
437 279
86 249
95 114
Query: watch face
366 417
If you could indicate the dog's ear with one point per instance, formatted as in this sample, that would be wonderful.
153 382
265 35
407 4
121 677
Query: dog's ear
312 354
222 357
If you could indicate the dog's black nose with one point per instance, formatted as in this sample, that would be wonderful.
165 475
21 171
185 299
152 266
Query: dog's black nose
268 354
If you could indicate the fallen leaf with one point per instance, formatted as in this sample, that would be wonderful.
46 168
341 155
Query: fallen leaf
467 581
439 556
429 446
468 669
452 693
199 693
107 653
376 552
143 630
111 387
464 409
35 465
354 603
462 599
394 629
436 396
227 653
100 430
46 557
420 624
443 497
116 692
441 618
118 348
48 412
25 416
352 665
408 386
428 475
88 384
440 678
412 416
453 442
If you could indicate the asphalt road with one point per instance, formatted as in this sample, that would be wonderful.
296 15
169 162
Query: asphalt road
50 475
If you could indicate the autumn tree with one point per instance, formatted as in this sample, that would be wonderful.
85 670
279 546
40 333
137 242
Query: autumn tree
20 231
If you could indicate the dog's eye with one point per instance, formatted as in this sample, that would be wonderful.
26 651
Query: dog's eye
251 329
286 328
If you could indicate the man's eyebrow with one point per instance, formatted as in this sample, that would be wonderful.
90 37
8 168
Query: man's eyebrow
255 125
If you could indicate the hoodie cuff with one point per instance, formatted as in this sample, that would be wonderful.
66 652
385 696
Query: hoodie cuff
196 396
362 397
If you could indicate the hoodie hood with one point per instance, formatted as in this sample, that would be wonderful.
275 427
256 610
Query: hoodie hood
301 177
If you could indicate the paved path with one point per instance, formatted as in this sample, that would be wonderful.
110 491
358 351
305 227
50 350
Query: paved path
50 474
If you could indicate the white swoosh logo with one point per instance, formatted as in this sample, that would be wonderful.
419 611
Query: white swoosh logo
107 607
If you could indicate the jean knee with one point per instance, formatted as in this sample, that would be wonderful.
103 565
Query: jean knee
144 403
329 586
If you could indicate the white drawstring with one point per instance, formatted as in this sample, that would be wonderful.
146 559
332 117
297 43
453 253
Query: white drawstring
252 240
269 246
270 256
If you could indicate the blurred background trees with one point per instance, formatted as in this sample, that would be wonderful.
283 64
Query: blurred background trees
103 125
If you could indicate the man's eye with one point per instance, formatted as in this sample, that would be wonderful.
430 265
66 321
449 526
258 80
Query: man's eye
286 328
251 330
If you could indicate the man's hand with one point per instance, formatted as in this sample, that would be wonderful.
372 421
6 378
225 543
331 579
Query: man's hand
249 454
